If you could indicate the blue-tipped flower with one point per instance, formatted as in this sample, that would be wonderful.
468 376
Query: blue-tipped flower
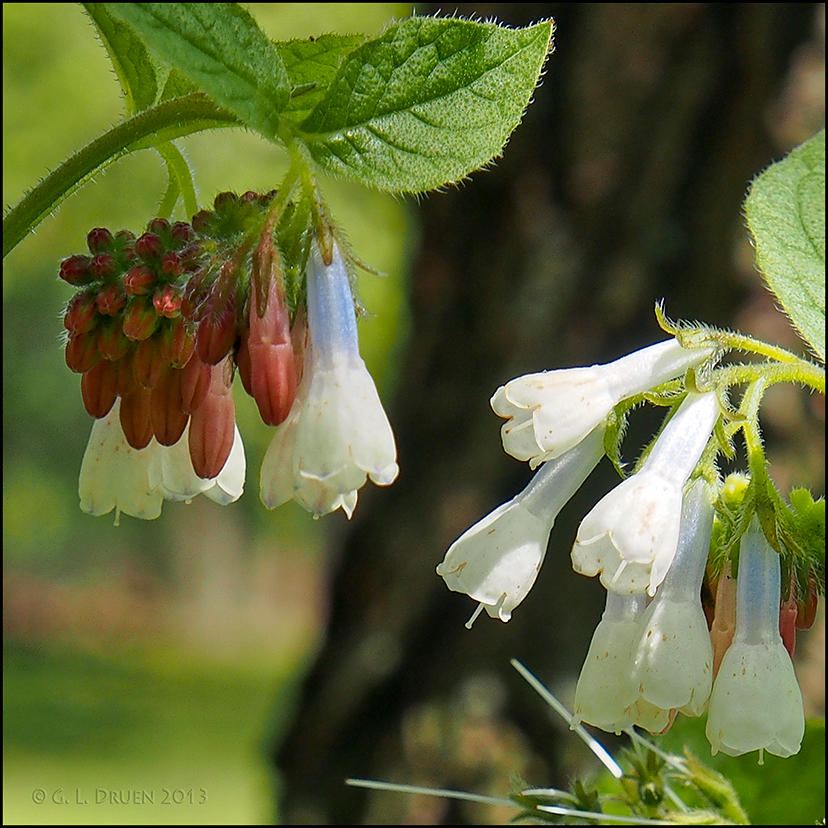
337 433
756 703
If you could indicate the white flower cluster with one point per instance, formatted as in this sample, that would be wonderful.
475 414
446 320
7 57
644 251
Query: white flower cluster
648 539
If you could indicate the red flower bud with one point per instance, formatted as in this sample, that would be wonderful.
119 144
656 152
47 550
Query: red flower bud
807 609
103 266
168 418
111 341
171 265
99 240
159 226
195 382
182 233
212 424
149 247
140 280
99 388
167 301
270 351
224 202
149 362
75 270
82 352
81 313
216 334
135 418
202 220
140 319
111 300
787 623
179 343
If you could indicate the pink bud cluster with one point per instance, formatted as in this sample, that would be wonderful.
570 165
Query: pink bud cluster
161 321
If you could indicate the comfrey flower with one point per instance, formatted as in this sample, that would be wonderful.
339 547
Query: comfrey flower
497 560
673 658
756 703
337 433
550 412
135 482
630 536
607 695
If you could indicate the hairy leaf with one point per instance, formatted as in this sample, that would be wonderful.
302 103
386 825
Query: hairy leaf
311 66
219 47
785 212
427 102
129 57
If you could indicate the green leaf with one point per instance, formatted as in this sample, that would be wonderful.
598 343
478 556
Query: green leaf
785 212
427 102
311 66
129 58
176 86
219 47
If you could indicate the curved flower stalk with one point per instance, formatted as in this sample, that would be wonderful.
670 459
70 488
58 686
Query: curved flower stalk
137 481
337 433
550 412
497 560
630 536
673 658
756 703
607 695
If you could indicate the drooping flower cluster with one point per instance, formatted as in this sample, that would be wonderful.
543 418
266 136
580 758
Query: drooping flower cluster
652 654
158 328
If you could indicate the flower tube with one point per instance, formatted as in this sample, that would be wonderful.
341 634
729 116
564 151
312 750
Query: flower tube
630 536
337 433
497 560
673 658
756 703
550 412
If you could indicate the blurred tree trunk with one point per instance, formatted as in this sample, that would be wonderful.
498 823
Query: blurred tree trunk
622 186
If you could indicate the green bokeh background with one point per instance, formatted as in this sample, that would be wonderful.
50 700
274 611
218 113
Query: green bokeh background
159 655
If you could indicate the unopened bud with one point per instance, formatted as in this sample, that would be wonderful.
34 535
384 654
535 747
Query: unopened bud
81 313
103 266
82 352
135 418
217 333
195 382
212 424
159 226
149 247
181 233
111 341
111 300
140 319
140 280
167 301
168 418
99 240
99 388
75 270
149 363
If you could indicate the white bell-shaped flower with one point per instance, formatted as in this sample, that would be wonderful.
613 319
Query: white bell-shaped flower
497 560
630 536
337 433
136 482
756 703
606 695
673 658
550 412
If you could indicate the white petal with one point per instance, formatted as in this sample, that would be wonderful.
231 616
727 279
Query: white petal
497 560
114 475
229 485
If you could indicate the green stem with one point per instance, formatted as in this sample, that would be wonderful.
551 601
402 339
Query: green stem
180 174
161 123
801 371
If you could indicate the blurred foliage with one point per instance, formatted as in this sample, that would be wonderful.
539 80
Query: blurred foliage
98 689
